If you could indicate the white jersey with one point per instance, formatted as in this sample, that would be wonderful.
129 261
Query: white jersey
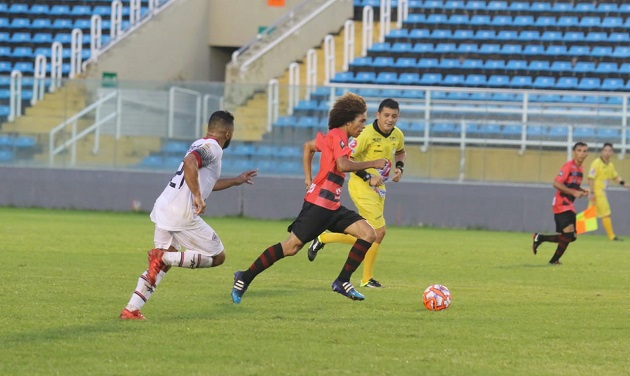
174 209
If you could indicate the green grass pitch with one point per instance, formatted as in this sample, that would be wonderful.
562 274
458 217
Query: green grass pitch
66 275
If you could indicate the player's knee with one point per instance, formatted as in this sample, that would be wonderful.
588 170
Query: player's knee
291 246
569 236
368 234
218 259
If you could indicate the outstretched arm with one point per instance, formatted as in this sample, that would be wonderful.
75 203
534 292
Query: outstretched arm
345 164
245 177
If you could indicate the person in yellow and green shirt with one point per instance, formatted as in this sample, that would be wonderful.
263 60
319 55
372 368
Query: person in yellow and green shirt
602 170
381 139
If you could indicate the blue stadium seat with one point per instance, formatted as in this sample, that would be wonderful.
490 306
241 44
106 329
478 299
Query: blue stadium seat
39 9
444 48
436 19
467 48
619 37
612 84
606 67
523 21
519 6
6 156
405 62
401 48
385 78
81 11
475 5
521 81
409 79
624 69
381 61
490 49
590 22
539 65
480 20
589 83
516 65
17 8
365 77
543 82
472 64
568 21
540 7
497 5
621 52
511 49
545 21
512 131
60 10
427 63
454 4
422 48
501 21
462 34
572 98
601 51
507 35
419 34
596 37
398 33
562 7
494 65
364 61
587 8
486 34
449 64
612 22
441 34
551 36
561 66
574 36
555 50
391 93
577 50
380 47
343 77
457 19
535 131
499 81
609 135
583 133
429 79
567 83
558 132
413 94
285 121
475 80
453 80
42 38
534 49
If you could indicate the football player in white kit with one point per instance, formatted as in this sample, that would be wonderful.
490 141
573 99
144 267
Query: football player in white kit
176 213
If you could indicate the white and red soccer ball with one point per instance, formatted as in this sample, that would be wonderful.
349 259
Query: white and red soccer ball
436 298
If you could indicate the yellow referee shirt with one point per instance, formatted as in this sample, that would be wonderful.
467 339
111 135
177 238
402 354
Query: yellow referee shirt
371 144
601 172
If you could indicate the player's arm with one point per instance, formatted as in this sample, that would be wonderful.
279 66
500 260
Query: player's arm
399 158
245 177
577 193
345 164
591 189
191 176
621 182
308 151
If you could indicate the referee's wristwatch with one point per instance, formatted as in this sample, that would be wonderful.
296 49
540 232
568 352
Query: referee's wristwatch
367 177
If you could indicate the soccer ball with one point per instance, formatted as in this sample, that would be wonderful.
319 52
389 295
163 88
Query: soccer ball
436 298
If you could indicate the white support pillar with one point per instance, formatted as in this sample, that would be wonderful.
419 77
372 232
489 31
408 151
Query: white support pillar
56 61
385 19
294 86
96 33
329 57
311 72
368 29
273 103
116 20
40 79
403 12
348 43
134 12
76 48
15 95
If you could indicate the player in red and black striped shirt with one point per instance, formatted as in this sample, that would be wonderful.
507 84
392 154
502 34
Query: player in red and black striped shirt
322 209
567 184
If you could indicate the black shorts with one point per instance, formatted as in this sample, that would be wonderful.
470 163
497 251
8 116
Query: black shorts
564 219
313 220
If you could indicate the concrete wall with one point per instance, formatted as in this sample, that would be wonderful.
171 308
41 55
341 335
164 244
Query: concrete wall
171 47
441 204
234 23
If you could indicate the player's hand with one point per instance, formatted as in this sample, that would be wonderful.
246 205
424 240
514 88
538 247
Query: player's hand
381 163
397 175
247 177
200 205
376 180
580 193
307 182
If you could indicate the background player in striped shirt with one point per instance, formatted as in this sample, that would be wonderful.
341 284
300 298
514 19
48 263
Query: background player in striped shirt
567 184
602 170
322 207
176 213
367 187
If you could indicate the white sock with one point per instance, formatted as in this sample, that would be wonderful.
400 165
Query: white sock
187 259
143 291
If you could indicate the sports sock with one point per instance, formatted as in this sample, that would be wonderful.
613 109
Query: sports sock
187 259
607 223
335 237
368 263
548 238
143 291
563 243
355 257
264 261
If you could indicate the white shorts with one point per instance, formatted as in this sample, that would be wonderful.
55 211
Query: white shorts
202 239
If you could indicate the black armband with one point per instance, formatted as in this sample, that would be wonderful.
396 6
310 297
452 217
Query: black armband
363 175
622 183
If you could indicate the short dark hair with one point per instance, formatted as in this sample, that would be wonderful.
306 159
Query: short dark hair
579 144
220 119
346 109
607 144
389 103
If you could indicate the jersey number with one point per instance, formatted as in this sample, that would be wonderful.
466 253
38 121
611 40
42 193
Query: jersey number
178 180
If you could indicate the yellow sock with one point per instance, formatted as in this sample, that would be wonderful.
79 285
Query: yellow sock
607 223
333 237
368 263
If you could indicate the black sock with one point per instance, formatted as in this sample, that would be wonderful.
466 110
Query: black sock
264 261
548 238
355 257
563 243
